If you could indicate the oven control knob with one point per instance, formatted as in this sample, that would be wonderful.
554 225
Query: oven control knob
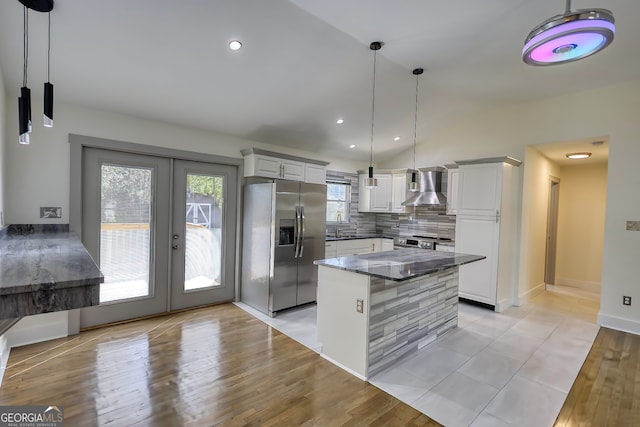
402 241
423 245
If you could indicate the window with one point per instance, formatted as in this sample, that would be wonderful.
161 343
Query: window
338 201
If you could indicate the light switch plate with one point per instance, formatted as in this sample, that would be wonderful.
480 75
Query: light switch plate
633 225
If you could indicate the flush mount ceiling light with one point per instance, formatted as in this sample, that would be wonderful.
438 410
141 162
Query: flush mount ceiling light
371 181
569 37
340 121
235 45
397 138
352 146
413 185
581 155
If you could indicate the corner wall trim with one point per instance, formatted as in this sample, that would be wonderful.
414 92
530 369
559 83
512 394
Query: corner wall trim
619 323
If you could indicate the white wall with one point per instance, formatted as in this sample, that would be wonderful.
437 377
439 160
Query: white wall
610 111
535 199
581 216
3 132
38 174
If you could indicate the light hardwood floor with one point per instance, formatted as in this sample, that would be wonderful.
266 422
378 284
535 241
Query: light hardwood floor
211 366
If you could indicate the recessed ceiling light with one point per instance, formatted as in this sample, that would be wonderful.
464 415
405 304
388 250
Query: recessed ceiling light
235 45
352 146
340 121
581 155
397 138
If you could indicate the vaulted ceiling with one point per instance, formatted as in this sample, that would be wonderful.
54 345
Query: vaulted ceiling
304 63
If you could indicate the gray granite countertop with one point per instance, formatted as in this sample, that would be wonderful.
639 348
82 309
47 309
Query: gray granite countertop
34 258
400 264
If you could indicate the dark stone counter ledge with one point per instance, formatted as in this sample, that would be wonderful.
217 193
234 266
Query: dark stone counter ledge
44 270
400 264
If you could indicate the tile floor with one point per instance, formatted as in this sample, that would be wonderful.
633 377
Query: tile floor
513 368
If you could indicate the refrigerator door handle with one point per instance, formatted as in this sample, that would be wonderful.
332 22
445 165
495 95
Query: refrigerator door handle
301 244
296 233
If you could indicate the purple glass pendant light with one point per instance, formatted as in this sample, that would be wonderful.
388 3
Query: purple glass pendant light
569 37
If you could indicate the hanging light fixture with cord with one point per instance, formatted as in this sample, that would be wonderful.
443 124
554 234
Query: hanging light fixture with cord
371 181
24 101
48 87
413 185
569 36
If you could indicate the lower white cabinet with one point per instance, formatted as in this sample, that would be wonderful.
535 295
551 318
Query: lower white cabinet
338 248
330 249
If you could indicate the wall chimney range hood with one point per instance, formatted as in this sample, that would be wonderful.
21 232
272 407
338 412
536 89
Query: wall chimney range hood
429 180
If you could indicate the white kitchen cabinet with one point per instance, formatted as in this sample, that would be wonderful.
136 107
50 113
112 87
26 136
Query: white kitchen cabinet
453 176
359 246
486 224
355 247
315 174
399 191
388 195
375 199
330 249
274 165
386 245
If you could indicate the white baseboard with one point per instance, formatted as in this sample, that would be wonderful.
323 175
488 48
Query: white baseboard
531 293
581 284
619 323
38 328
340 365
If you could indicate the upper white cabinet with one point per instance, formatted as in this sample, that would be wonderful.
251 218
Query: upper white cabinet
315 174
275 165
399 191
388 195
453 175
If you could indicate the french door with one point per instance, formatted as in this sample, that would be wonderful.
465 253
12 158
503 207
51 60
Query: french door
162 231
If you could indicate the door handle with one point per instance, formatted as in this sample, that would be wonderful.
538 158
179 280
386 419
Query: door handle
302 235
296 233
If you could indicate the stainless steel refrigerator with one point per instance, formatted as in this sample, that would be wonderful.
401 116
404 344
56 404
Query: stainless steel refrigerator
283 233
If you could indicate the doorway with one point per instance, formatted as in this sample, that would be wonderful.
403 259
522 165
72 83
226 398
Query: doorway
552 231
161 229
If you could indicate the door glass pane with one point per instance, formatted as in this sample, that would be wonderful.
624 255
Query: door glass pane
203 237
125 239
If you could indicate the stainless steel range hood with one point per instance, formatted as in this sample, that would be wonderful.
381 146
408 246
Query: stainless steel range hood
429 181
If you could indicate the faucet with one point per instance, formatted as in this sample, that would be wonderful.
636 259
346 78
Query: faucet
338 222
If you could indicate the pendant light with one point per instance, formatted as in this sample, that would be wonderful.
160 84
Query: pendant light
24 101
413 185
48 87
371 181
569 36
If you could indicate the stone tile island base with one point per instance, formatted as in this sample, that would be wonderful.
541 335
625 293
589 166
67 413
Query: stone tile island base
393 319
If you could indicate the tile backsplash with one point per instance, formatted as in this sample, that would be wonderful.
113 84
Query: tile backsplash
415 221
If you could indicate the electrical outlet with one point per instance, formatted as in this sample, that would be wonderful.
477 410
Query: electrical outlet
626 300
360 306
633 225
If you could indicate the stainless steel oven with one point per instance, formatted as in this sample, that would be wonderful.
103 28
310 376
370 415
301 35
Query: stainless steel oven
413 242
422 242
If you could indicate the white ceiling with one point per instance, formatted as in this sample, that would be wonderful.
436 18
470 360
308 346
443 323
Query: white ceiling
304 63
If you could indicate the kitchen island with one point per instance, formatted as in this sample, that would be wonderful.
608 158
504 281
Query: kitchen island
375 309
